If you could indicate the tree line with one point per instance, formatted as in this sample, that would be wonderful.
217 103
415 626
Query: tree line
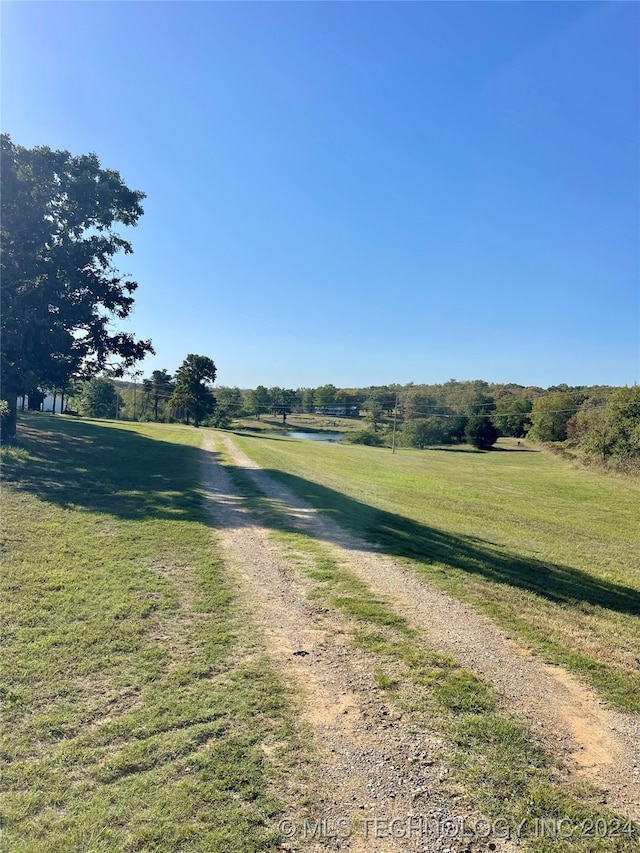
62 297
187 396
601 422
596 422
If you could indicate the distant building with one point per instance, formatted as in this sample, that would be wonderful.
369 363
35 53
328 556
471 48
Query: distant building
47 405
337 411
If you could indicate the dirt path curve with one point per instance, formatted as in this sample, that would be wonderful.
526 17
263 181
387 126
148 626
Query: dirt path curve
370 762
593 741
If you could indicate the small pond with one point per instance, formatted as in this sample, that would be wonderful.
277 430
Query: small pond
335 437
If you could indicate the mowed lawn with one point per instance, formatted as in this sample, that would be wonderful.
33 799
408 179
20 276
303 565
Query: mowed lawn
139 706
550 551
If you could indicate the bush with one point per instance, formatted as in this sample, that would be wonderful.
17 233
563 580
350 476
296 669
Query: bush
480 432
365 436
98 398
611 432
220 419
427 432
423 432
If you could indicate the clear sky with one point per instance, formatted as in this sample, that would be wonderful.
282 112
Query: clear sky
358 192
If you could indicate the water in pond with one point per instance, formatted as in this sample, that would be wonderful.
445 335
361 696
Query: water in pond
317 436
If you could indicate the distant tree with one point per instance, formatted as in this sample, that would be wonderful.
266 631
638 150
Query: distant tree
60 288
609 430
98 398
365 436
624 406
469 397
480 432
374 411
229 400
350 399
593 430
325 396
291 398
282 401
456 425
478 403
258 401
191 398
511 416
276 396
220 419
423 432
384 395
550 415
126 406
417 404
307 396
160 388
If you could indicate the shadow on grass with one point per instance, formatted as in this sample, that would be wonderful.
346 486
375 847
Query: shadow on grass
467 449
90 467
464 449
270 435
87 466
399 536
495 449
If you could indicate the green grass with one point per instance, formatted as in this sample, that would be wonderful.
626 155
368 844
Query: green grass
140 710
504 769
550 552
138 705
299 423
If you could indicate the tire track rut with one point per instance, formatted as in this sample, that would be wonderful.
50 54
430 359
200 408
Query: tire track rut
370 761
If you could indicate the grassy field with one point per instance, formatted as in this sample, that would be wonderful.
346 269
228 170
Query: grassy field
548 551
302 422
138 701
140 711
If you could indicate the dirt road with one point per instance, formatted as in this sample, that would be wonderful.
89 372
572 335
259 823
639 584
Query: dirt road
374 764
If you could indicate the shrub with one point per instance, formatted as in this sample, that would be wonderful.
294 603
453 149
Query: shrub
480 432
365 436
423 432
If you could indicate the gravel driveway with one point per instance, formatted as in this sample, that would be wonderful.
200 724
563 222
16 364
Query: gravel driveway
375 763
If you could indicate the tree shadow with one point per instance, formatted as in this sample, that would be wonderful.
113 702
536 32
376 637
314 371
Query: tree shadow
86 466
495 449
269 436
400 536
456 449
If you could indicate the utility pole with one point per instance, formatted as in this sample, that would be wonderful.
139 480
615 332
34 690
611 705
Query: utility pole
136 373
395 420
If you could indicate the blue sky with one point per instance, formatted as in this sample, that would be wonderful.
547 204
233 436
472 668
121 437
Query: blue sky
358 193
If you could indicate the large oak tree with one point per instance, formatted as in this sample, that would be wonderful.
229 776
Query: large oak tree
60 288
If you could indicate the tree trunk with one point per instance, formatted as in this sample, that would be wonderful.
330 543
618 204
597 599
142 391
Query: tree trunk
62 402
55 397
9 422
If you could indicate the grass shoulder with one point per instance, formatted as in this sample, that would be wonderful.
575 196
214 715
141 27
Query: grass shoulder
504 768
139 706
547 550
